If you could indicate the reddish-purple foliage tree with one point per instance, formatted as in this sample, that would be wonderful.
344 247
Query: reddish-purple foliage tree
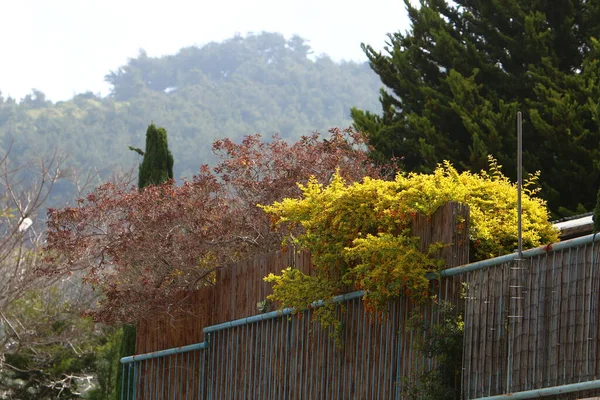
145 250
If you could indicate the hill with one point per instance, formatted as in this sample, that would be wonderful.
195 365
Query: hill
261 83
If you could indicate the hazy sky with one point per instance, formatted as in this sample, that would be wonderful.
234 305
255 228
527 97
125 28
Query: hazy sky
63 47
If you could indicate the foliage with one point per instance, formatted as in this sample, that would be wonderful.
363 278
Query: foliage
245 85
193 229
48 349
455 81
157 164
300 291
442 340
359 234
109 234
107 365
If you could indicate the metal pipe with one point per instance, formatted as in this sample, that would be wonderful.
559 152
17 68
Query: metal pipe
520 180
163 353
514 256
280 313
516 285
549 391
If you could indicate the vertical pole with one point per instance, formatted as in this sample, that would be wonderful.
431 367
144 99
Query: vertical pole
135 373
520 179
515 275
123 385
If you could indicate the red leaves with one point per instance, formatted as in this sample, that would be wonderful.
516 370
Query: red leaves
146 249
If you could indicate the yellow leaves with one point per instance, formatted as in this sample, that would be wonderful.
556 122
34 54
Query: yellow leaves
387 265
359 233
296 289
176 272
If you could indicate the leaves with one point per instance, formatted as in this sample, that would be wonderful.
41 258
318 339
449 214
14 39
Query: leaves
456 80
145 250
359 233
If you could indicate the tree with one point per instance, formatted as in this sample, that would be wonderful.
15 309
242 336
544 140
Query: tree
258 172
146 250
46 347
157 164
272 86
455 82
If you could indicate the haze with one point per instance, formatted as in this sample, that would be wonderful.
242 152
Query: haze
64 47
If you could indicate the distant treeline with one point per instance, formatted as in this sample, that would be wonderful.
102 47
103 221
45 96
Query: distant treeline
255 84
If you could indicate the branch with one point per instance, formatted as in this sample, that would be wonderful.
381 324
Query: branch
204 275
10 325
65 383
137 150
21 370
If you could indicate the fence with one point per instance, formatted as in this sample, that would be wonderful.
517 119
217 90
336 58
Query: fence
531 330
284 356
281 356
237 290
532 323
167 374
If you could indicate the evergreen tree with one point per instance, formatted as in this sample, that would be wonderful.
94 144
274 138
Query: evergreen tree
456 80
157 165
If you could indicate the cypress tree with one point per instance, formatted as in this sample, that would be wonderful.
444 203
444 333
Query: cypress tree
455 82
156 168
157 165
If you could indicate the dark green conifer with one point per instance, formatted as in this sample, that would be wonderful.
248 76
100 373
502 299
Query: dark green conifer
157 165
454 84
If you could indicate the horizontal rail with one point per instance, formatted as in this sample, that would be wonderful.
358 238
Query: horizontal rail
279 313
164 353
231 324
549 391
580 241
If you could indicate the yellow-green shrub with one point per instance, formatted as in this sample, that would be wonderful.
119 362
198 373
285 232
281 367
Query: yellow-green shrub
359 234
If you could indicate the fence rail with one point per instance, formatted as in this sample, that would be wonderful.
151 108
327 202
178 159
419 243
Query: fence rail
178 373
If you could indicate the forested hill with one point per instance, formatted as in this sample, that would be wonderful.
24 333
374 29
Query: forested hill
260 83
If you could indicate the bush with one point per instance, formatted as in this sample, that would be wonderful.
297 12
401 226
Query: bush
359 234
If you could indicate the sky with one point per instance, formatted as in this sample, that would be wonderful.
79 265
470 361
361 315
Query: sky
65 47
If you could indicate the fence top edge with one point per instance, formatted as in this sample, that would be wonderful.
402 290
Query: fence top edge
547 391
164 353
279 313
552 247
